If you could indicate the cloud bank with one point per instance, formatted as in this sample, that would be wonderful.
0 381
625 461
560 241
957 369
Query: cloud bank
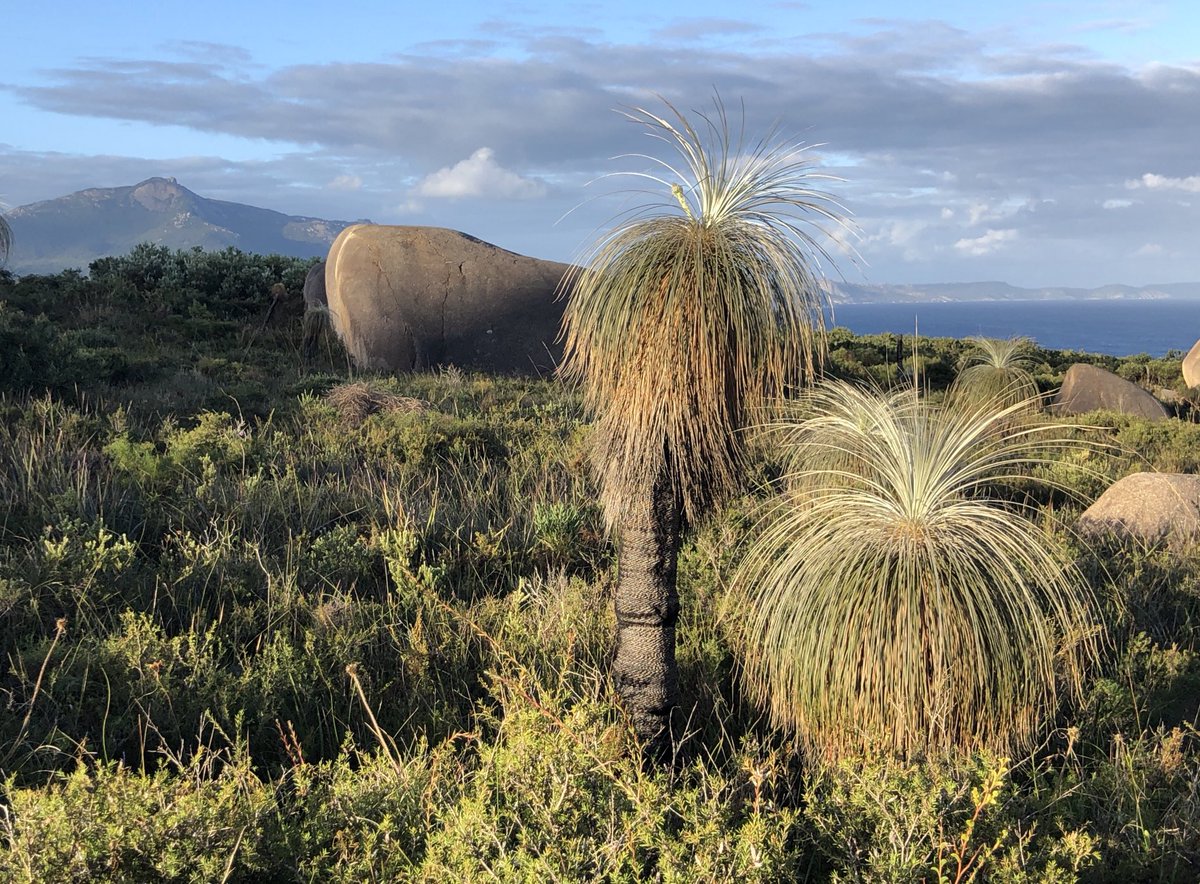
962 159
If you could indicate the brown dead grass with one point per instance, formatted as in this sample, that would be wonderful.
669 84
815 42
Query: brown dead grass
355 402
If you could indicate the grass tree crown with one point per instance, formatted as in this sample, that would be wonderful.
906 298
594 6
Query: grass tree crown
893 600
1000 369
686 316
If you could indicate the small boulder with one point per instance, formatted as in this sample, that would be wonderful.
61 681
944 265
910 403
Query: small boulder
316 309
1091 388
1169 397
1149 507
1191 366
314 288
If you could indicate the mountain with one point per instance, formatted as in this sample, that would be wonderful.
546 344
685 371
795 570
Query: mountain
850 293
74 230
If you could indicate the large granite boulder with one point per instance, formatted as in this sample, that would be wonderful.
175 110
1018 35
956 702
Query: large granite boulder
1149 507
1191 366
1090 388
404 298
314 288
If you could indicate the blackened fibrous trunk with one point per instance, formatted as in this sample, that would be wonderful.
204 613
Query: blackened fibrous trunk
647 608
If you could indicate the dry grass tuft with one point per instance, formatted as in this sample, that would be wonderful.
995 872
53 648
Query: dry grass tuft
355 402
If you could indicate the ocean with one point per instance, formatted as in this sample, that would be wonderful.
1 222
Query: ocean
1118 328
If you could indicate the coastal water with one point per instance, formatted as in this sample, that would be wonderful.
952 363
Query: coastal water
1119 328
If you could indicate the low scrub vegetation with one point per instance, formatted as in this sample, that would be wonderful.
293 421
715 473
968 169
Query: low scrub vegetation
257 625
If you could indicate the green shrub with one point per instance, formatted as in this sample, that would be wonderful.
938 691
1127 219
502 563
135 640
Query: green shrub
106 822
405 629
958 821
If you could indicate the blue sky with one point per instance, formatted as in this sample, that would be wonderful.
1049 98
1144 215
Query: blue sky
1040 143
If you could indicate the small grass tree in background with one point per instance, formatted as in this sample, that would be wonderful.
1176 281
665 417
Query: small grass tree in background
886 602
999 370
680 323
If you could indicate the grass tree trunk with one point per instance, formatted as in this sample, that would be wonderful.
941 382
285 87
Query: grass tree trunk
647 608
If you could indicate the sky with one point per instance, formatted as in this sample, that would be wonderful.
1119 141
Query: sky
1037 142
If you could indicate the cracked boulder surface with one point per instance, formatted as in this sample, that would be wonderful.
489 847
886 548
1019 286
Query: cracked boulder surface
405 298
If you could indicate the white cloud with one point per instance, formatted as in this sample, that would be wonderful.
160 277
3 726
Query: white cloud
990 242
1150 181
978 212
479 176
1117 204
409 207
981 211
947 213
1150 250
904 236
345 182
901 233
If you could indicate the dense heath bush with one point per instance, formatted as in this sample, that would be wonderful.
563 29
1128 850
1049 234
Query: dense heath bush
242 639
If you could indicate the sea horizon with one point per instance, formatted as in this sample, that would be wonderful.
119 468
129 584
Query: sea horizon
1115 327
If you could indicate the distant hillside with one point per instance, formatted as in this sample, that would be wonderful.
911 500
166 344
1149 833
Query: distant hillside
849 293
74 230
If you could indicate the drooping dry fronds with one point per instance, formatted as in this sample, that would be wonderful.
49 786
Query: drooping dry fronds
680 324
998 369
887 603
356 401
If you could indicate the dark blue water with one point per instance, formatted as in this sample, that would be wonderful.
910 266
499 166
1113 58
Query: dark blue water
1119 328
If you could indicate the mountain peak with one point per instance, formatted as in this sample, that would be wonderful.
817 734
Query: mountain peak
160 194
74 230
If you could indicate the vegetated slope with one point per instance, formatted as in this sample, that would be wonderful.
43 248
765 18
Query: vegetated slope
74 230
247 635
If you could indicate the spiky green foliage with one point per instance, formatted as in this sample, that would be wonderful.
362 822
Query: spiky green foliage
680 324
999 369
891 601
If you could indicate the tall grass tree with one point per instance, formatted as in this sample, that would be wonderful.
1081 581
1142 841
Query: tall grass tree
892 599
681 322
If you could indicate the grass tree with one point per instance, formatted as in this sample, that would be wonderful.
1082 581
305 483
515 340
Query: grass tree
681 322
891 599
999 369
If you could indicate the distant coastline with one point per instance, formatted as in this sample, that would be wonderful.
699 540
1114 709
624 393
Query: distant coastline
1113 326
994 292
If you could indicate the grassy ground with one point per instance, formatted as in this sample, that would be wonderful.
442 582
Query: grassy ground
252 632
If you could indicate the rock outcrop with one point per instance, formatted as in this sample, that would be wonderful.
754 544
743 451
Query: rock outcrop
1191 366
1090 388
404 298
1148 507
